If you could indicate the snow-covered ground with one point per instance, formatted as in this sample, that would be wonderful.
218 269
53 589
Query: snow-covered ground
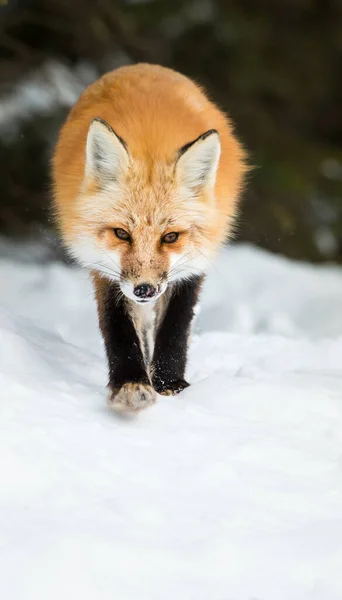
232 491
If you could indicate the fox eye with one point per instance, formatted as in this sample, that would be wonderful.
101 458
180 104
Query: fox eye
122 234
170 238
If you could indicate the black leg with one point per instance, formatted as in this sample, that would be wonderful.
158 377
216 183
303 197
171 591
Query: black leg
129 384
170 352
125 358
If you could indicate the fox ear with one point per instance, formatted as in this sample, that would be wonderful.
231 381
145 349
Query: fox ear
198 161
106 154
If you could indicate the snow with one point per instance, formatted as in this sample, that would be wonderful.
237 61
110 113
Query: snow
232 491
43 90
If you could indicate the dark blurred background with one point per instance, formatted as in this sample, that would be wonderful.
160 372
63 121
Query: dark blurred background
274 65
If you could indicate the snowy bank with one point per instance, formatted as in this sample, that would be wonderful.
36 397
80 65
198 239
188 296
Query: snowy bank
232 491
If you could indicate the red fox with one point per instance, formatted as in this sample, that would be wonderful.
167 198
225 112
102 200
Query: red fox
147 175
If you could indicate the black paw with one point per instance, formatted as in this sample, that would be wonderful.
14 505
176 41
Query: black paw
170 388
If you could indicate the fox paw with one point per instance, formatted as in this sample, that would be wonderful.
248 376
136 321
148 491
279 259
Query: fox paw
131 397
170 388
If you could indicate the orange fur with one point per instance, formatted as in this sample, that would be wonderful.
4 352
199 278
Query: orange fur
156 111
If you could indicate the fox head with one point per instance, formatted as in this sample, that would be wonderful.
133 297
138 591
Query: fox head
145 222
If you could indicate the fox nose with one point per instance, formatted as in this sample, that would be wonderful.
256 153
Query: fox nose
145 290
